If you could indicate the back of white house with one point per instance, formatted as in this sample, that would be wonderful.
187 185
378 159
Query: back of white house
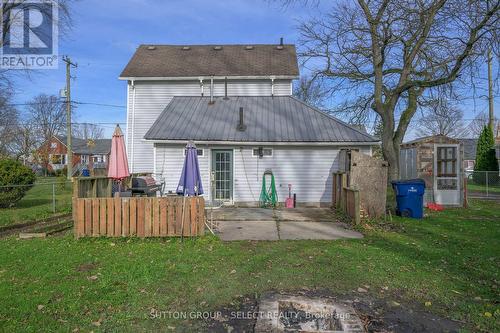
204 93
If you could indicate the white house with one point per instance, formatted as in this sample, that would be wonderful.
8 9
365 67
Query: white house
235 103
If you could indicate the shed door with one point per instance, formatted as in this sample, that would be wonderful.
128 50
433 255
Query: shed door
447 172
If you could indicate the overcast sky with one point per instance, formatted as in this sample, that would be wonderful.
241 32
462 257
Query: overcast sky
106 33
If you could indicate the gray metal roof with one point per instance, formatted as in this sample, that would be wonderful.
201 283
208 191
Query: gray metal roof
470 146
207 60
268 119
80 146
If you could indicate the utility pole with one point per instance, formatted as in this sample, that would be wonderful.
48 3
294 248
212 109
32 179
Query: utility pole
490 92
69 162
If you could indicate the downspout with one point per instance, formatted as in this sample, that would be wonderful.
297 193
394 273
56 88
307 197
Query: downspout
225 89
132 143
154 162
272 86
211 90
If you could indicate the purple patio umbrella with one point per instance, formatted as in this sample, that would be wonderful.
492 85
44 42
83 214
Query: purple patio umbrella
190 183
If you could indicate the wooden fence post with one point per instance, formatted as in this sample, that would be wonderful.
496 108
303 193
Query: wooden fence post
356 217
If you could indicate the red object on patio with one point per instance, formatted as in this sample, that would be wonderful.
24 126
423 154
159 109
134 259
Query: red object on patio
118 163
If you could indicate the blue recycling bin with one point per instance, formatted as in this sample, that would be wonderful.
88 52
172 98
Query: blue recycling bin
85 173
409 197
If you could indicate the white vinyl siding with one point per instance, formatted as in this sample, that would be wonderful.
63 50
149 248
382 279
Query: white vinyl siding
151 98
169 163
308 169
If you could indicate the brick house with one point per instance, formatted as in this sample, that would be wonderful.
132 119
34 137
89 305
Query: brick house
92 154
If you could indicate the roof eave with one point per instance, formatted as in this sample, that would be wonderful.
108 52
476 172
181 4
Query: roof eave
215 77
269 143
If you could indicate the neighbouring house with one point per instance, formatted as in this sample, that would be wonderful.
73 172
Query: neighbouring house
438 161
90 154
235 102
470 147
469 161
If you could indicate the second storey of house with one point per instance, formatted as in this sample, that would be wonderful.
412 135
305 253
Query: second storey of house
157 73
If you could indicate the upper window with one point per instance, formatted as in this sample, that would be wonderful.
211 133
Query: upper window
262 152
200 152
53 145
447 161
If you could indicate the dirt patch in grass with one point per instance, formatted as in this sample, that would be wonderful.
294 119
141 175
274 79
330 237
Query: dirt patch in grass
377 314
86 267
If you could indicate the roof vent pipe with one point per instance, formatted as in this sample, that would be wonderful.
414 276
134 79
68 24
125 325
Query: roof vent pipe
225 89
211 90
241 126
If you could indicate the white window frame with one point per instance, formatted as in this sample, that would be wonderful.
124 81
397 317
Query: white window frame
197 150
63 159
263 149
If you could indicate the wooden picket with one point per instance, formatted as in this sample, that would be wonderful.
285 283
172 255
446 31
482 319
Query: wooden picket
141 217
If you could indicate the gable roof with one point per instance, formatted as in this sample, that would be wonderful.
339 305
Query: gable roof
268 119
157 61
79 146
438 138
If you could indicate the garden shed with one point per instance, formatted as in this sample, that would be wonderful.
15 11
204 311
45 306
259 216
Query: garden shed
438 161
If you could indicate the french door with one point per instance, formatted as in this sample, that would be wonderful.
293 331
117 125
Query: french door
222 168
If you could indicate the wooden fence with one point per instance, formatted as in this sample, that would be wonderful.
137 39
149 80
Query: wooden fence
92 187
140 217
345 198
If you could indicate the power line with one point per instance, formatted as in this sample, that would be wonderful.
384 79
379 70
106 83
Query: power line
72 102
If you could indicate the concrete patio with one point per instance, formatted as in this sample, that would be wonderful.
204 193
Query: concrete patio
279 224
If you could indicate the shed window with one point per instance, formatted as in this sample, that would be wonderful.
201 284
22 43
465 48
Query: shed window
447 161
262 152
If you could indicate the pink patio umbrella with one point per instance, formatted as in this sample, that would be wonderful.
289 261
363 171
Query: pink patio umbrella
118 164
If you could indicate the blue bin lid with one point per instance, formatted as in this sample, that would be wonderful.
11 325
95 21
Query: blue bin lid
417 181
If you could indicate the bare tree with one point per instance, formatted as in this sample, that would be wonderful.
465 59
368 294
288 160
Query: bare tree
390 53
9 118
311 91
47 115
440 117
88 131
26 142
476 125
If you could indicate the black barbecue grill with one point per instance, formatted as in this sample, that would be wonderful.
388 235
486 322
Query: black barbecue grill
144 186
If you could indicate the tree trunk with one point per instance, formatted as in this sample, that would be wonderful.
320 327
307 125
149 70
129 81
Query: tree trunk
390 146
390 150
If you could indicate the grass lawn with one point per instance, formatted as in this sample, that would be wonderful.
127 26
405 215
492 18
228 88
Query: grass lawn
37 203
482 188
450 259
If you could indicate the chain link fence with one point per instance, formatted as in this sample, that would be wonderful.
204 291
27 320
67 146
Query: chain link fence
47 197
482 185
